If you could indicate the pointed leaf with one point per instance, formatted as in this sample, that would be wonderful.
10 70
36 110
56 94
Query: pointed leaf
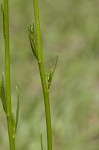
17 110
41 143
49 78
55 65
32 40
51 73
13 125
2 91
33 47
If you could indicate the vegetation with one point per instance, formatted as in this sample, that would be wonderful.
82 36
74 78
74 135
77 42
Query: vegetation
46 79
69 29
5 90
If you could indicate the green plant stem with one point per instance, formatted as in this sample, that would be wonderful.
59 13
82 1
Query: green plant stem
43 77
7 76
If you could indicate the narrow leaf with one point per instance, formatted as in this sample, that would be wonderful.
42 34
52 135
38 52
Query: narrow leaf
2 91
41 143
33 47
49 78
51 73
55 65
17 110
13 125
32 40
2 9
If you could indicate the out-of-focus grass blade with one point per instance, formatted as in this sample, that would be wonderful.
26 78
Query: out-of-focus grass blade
41 142
2 10
17 110
2 93
0 89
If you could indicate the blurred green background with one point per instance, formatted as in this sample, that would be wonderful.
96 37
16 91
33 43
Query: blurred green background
69 29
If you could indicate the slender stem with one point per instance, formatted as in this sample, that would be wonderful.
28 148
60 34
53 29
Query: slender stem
42 75
7 76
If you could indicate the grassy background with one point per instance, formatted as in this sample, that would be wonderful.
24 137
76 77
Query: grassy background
69 28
